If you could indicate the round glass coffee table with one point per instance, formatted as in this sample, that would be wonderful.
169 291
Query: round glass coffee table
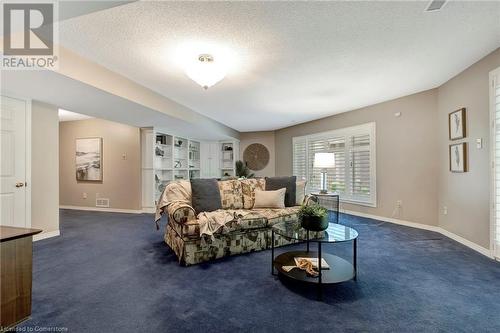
337 270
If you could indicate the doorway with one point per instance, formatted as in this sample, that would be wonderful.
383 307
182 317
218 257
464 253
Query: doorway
495 161
15 166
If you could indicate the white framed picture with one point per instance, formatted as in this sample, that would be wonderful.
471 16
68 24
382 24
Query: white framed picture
458 157
457 124
88 159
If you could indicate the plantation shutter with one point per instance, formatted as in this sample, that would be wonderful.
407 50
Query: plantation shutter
336 177
314 174
353 176
360 178
299 159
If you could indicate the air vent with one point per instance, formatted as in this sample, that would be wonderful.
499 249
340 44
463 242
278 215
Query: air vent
435 5
102 202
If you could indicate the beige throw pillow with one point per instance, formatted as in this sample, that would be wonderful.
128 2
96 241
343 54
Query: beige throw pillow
300 192
248 187
270 199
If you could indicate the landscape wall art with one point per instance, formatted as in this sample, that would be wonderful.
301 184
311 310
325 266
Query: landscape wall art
89 159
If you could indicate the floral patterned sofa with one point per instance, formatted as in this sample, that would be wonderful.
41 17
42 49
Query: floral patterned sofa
249 233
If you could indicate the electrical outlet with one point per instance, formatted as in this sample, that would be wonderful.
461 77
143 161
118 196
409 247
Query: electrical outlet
445 210
399 203
84 195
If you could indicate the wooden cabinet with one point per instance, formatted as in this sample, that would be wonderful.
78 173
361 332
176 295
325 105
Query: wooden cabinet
16 274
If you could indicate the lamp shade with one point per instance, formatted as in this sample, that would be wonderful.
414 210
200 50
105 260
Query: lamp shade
324 160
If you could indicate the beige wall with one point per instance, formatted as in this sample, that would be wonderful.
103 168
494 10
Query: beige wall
268 140
121 177
45 167
467 195
406 154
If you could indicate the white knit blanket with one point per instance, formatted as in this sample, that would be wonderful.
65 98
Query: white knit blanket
210 222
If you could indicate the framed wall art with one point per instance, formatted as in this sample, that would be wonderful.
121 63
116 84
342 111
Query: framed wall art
457 124
458 157
88 154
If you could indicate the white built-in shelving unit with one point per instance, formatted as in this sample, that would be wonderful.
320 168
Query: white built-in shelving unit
167 157
228 156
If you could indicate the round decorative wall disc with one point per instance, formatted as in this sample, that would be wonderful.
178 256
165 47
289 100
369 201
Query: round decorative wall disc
256 156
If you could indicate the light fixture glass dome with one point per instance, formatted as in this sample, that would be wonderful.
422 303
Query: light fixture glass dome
205 71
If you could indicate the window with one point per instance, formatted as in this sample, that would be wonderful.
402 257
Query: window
354 174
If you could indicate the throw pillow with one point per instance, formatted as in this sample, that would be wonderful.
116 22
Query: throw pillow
275 183
300 192
205 195
248 187
270 199
231 195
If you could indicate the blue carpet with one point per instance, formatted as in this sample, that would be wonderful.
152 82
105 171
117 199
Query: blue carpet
111 272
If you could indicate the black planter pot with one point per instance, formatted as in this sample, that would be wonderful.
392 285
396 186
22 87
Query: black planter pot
314 223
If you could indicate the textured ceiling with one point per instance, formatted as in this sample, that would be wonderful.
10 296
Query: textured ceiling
297 61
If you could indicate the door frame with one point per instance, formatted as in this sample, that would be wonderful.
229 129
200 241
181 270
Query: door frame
494 76
28 125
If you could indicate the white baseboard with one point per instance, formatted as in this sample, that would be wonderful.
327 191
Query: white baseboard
468 243
45 235
100 209
444 232
151 210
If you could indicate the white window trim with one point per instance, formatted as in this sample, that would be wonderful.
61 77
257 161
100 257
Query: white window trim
353 130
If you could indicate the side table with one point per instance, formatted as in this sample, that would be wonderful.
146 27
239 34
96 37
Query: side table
330 201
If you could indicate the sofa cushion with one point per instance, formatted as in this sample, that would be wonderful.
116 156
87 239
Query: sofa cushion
205 195
248 187
249 221
231 195
275 183
191 229
274 216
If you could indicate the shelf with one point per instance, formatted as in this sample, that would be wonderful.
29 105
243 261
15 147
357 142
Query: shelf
163 169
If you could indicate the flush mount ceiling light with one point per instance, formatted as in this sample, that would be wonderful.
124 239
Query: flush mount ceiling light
206 71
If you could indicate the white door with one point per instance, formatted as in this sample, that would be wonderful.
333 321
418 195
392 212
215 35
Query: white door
13 162
214 160
495 157
209 154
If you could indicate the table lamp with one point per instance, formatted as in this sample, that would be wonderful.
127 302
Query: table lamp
324 161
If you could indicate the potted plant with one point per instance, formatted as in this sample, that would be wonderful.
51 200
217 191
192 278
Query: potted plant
242 170
313 217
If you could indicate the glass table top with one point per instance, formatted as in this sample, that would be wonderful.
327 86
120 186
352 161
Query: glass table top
335 233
